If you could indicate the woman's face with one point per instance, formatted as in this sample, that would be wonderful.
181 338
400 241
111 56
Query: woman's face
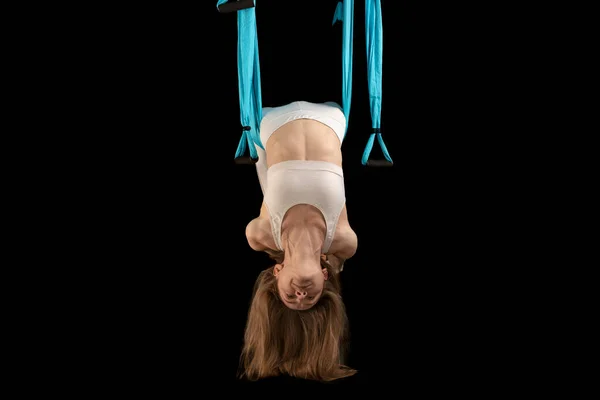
300 288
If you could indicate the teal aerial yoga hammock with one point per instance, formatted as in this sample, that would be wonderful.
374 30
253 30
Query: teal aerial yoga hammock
249 73
344 12
249 90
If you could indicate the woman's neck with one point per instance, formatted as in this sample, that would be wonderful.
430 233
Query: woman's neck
301 242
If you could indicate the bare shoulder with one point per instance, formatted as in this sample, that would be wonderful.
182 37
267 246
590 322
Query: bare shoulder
345 242
259 234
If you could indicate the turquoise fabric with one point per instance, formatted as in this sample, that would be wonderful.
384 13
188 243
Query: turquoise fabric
374 40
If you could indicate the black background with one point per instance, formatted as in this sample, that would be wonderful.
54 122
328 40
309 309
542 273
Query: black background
301 59
174 269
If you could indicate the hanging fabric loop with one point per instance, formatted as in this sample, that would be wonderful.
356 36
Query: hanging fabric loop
249 82
374 41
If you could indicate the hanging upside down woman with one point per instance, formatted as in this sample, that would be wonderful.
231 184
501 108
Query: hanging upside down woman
297 322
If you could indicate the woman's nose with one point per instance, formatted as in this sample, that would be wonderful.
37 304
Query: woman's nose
300 294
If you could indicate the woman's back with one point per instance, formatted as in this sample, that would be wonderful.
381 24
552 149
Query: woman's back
304 139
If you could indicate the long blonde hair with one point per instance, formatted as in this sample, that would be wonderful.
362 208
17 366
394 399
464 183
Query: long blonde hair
308 344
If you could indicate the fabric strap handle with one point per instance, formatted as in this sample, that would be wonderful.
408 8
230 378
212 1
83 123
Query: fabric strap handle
374 40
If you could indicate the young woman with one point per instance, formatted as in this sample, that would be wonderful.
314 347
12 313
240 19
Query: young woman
297 324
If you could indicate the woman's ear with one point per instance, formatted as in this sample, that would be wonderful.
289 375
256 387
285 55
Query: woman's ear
325 273
277 269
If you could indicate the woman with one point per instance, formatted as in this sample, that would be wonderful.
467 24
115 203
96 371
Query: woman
297 324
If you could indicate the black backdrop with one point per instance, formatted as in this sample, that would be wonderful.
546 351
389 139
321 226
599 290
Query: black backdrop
176 263
301 59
